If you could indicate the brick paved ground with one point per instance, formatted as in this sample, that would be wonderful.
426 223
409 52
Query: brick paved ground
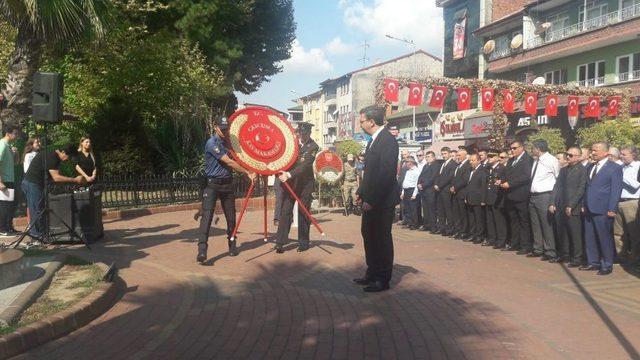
449 299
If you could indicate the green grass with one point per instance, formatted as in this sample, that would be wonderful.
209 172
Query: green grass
45 306
38 252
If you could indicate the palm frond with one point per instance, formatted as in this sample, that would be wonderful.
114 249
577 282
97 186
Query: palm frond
57 19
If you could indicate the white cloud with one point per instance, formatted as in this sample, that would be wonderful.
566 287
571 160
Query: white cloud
338 47
312 61
417 20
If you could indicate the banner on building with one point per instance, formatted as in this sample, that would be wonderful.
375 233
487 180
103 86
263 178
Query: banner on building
458 38
345 125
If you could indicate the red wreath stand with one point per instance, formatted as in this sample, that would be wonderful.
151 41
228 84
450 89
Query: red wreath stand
264 142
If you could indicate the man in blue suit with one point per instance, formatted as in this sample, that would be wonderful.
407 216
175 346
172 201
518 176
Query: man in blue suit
604 185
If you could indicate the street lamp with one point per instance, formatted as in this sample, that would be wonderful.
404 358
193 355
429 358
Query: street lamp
413 46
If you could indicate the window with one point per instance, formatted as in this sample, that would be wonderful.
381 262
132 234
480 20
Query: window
628 67
595 9
556 77
558 21
591 74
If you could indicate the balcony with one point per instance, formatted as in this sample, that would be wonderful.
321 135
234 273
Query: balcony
497 54
589 25
592 82
629 76
330 100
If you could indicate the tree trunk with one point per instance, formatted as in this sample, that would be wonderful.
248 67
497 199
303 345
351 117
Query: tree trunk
24 62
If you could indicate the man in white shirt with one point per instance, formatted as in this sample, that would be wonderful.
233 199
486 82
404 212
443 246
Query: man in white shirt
410 192
626 230
614 155
544 173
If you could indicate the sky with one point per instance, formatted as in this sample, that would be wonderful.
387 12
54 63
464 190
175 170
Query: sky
330 35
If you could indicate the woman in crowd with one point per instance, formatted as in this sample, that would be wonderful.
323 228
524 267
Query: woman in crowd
31 148
86 161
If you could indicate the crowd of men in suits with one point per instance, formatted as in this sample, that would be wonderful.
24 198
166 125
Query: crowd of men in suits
579 206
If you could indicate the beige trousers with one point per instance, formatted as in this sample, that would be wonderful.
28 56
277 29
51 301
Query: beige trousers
626 231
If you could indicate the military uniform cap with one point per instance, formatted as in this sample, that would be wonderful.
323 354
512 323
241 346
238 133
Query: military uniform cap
222 122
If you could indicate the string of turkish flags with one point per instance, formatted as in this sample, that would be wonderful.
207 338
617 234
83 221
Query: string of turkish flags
530 102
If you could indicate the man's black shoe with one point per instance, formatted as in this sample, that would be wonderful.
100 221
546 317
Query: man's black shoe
279 249
532 254
524 252
422 228
545 258
233 250
573 264
202 253
436 232
478 240
589 267
605 271
458 236
555 259
362 281
376 286
303 247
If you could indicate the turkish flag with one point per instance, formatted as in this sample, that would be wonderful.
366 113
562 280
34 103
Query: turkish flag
573 106
551 106
464 98
531 103
593 107
612 109
438 96
415 94
508 101
487 99
391 90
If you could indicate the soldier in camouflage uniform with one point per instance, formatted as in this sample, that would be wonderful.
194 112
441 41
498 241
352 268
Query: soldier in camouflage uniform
350 184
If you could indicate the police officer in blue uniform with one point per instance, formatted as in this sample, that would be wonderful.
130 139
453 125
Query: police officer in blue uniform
300 178
219 185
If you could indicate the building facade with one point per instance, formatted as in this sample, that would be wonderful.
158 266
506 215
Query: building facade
345 95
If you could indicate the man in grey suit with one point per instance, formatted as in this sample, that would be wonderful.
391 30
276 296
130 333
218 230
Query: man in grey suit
569 194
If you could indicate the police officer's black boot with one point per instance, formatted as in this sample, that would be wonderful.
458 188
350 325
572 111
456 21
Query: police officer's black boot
279 249
202 253
233 250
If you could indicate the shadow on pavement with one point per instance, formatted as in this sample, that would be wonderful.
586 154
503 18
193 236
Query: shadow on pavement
291 309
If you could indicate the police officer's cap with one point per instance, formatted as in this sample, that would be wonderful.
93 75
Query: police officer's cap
222 123
493 152
304 127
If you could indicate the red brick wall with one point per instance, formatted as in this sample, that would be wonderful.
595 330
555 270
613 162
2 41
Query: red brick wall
502 8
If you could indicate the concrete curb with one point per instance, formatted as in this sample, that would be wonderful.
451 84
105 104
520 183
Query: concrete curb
32 291
62 323
254 204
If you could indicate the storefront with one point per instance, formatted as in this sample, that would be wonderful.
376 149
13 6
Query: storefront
477 128
449 130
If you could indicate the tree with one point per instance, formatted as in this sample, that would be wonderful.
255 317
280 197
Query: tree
246 39
348 147
40 23
553 137
617 132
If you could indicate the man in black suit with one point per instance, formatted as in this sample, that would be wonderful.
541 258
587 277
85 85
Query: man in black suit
379 194
441 187
475 198
494 199
301 179
426 181
569 194
517 185
459 191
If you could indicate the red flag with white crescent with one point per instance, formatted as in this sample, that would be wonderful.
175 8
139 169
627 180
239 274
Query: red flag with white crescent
531 103
415 94
438 96
391 90
508 101
551 106
612 109
487 99
573 105
593 107
464 98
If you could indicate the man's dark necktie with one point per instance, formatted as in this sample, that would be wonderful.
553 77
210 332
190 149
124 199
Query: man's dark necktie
595 170
535 168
